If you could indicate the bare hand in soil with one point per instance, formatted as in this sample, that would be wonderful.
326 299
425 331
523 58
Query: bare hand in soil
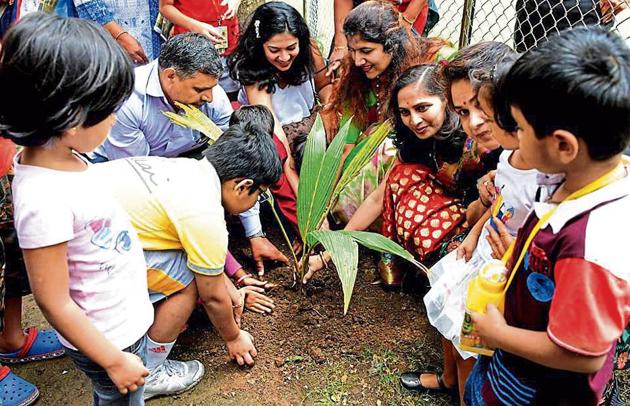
128 373
256 301
133 48
264 250
242 349
251 281
315 264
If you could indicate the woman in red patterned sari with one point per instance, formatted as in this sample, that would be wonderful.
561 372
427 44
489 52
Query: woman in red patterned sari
424 203
432 154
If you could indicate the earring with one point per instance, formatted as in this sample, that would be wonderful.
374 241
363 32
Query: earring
257 28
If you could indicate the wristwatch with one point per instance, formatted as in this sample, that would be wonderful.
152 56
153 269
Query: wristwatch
260 234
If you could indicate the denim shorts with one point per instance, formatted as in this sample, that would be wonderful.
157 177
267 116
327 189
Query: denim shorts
104 391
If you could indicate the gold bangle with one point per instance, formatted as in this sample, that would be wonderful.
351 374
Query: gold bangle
407 21
120 35
340 48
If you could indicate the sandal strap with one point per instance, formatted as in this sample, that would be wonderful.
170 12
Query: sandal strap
4 371
440 382
31 336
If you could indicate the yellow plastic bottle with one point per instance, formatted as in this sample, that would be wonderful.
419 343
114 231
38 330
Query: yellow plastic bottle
486 288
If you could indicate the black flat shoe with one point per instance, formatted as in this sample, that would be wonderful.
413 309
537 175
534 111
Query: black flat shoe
411 381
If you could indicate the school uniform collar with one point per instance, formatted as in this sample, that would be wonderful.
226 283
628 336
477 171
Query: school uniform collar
572 208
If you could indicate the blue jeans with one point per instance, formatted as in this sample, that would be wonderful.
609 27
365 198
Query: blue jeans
104 391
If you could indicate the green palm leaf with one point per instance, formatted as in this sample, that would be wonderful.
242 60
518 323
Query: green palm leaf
195 119
318 176
344 252
383 244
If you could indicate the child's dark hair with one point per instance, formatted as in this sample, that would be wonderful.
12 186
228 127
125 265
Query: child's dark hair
58 73
297 149
576 81
449 140
255 114
484 55
190 53
249 65
492 82
245 151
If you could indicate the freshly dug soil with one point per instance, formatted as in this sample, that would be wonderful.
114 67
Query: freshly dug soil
308 351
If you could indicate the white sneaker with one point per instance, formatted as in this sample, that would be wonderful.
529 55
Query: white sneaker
173 378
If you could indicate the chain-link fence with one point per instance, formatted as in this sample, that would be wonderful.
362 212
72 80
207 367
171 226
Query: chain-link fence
524 23
519 23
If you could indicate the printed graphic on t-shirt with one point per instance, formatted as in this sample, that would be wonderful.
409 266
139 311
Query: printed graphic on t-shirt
505 213
102 236
144 168
539 282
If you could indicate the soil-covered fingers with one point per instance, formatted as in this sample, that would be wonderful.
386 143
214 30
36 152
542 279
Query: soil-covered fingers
259 302
240 347
251 281
315 264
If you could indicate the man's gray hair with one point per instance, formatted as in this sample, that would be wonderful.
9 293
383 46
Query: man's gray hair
190 53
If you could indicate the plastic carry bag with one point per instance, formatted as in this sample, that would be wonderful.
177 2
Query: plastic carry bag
445 302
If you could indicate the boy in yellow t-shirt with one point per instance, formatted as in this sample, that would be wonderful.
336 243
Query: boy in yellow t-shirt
177 206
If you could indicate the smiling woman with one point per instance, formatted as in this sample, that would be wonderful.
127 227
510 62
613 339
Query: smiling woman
381 47
280 67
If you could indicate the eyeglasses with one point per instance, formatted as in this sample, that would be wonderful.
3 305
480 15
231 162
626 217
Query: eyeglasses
264 195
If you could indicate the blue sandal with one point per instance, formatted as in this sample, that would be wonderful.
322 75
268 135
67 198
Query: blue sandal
39 345
15 391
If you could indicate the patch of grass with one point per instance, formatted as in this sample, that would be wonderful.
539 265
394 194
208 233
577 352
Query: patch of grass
333 390
386 365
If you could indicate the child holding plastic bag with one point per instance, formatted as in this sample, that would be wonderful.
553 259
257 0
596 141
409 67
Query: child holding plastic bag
516 186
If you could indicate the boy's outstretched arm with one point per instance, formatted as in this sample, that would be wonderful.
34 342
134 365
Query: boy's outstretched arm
535 346
218 304
48 276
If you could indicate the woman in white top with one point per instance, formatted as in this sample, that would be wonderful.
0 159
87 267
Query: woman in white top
280 67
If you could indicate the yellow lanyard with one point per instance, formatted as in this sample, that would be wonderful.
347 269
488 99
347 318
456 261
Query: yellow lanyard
497 206
612 176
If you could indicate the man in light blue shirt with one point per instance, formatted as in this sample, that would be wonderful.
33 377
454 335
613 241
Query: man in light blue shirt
187 71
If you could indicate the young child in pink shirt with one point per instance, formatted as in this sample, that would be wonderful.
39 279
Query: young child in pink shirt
84 261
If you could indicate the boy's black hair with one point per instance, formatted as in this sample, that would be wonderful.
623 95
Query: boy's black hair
58 73
190 53
245 151
578 81
248 63
255 114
